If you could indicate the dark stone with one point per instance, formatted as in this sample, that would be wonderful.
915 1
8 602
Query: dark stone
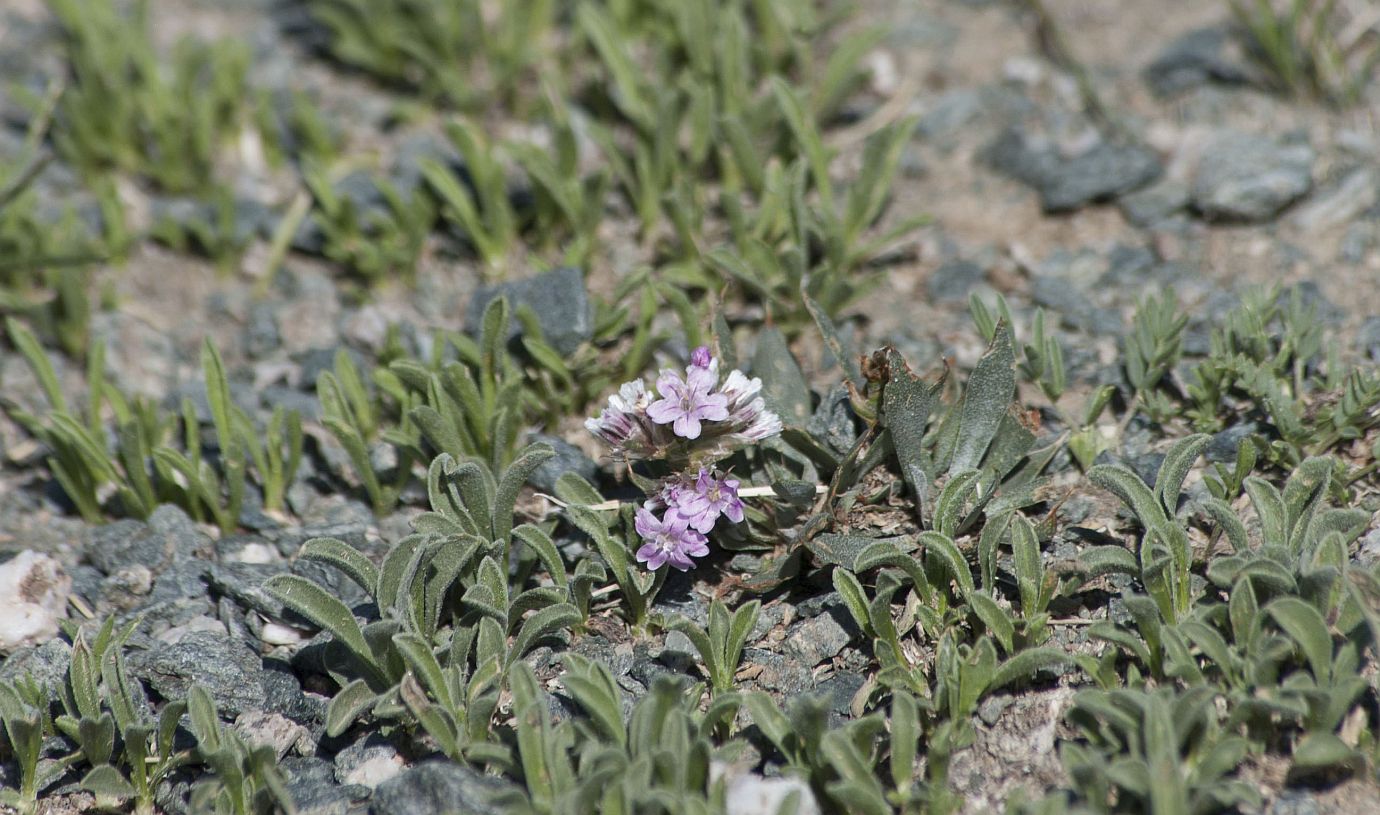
1310 295
1250 177
832 423
1368 339
311 783
841 688
1147 466
45 664
568 459
1066 183
558 298
225 667
1196 58
261 335
283 694
1153 204
1075 308
126 543
444 788
1222 446
952 281
320 360
821 638
243 582
779 673
184 580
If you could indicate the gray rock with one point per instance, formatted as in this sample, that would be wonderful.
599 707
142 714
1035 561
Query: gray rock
46 664
953 280
780 673
568 459
841 688
127 543
558 298
1310 296
1367 342
283 694
1065 183
1367 554
1149 206
1075 308
261 335
1222 446
1295 802
1343 200
818 639
443 788
832 422
368 762
959 113
1250 177
312 786
1197 58
1357 242
225 667
679 653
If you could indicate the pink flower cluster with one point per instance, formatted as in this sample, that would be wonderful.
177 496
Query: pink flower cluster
691 508
692 414
693 418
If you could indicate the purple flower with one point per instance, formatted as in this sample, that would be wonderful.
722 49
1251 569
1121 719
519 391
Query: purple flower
669 540
623 424
711 497
701 358
747 412
684 403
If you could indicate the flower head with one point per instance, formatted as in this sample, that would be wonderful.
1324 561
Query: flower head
710 497
690 419
668 540
686 402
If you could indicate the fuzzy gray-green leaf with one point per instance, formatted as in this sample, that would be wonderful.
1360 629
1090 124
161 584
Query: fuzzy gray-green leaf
991 387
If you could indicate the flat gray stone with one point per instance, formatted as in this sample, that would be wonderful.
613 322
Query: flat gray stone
558 298
1250 177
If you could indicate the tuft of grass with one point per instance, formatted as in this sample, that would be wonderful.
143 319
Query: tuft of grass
1312 47
125 109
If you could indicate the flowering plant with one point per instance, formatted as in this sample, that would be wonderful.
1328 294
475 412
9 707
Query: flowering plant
692 420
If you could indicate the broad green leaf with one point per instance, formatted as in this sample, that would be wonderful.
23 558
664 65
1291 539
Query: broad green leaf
322 608
1306 627
343 556
783 385
990 391
1177 462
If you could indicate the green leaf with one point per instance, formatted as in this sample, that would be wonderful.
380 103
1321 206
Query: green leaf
854 599
1322 751
783 385
1119 480
990 391
107 784
322 608
545 550
1269 507
347 705
508 486
343 556
1177 462
994 618
1026 664
1306 627
542 624
907 402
